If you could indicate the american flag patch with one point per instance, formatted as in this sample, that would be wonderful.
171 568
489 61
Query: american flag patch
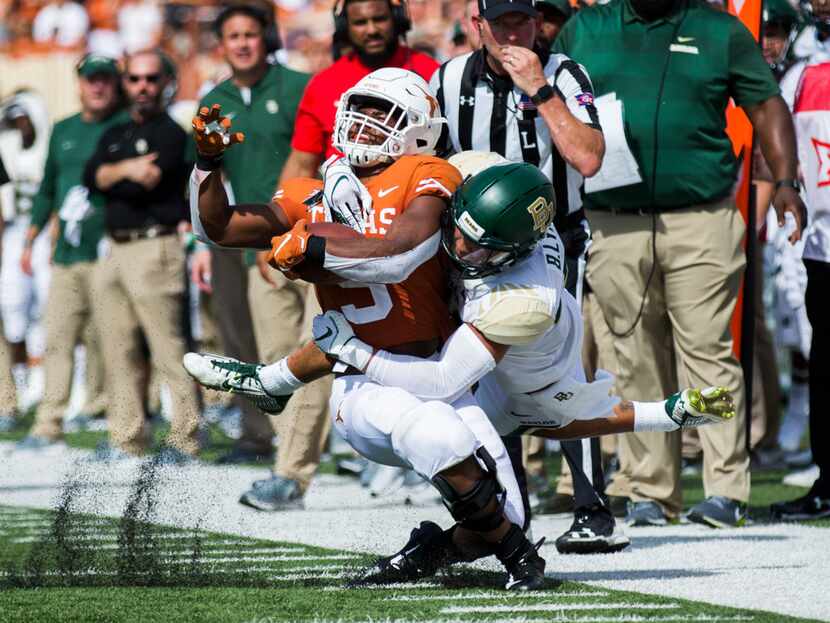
525 103
585 99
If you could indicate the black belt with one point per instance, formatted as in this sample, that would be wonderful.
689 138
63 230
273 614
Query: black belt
142 233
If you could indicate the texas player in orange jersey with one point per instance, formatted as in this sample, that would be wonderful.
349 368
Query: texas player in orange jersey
395 296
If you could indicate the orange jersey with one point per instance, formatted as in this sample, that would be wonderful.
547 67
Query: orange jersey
386 316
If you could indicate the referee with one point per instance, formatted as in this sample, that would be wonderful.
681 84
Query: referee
515 98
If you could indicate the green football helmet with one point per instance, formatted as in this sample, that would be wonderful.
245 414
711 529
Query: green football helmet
501 213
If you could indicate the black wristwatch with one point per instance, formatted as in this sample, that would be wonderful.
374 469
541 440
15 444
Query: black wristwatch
543 95
790 183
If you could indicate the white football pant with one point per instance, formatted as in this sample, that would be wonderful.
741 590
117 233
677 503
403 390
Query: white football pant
390 426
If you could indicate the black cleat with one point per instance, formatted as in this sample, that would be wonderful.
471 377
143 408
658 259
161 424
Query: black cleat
525 567
593 531
807 507
429 549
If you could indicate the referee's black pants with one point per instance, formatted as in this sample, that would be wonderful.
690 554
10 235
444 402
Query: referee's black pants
818 284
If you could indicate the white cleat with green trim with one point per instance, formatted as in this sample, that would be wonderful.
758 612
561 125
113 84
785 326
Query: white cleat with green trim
226 374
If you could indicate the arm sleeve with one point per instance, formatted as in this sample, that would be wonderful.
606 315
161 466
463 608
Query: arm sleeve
197 176
463 361
44 202
573 83
750 78
308 129
392 269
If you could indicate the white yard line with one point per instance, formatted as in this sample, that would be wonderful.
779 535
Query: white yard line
779 568
503 596
556 607
210 559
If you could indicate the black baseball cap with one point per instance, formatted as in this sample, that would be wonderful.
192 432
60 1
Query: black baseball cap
92 64
493 9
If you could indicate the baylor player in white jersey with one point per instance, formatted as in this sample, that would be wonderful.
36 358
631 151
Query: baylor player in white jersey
521 335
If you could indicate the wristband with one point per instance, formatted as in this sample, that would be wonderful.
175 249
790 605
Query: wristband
315 251
208 163
789 183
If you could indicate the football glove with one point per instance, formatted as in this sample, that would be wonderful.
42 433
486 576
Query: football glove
211 132
289 249
334 336
345 197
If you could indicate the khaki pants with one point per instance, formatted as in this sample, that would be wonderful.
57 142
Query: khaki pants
682 339
8 393
229 276
597 352
68 320
282 316
143 283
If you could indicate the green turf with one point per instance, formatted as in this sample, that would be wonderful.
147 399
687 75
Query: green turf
92 589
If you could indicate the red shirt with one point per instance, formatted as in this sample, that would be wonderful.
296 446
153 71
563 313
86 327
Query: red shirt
314 124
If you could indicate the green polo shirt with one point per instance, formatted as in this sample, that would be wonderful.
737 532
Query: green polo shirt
266 117
71 145
265 114
681 146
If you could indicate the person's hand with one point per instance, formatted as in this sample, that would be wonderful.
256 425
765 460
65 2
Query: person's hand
200 269
211 132
787 199
345 196
331 332
524 67
26 260
289 249
265 270
143 170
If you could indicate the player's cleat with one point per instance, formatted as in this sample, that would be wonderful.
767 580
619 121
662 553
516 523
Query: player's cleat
645 513
806 507
717 511
227 374
593 531
428 550
274 494
525 567
696 407
802 478
8 422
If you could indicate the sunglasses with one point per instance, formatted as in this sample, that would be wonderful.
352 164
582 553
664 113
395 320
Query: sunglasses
151 78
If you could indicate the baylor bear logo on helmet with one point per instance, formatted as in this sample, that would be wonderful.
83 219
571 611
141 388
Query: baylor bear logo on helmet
542 213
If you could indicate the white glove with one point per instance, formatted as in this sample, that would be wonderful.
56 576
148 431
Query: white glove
334 336
344 195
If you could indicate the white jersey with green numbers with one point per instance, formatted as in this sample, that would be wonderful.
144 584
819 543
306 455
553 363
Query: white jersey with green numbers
527 307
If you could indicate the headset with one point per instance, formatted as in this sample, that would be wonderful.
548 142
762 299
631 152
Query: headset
400 17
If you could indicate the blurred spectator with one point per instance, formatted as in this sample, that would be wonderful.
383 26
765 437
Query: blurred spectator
140 167
24 142
811 112
373 31
262 100
139 24
667 292
554 15
68 315
62 23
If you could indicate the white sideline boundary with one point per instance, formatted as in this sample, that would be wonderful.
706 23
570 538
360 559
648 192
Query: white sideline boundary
780 568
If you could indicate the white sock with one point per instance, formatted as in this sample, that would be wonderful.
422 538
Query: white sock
20 375
650 417
278 380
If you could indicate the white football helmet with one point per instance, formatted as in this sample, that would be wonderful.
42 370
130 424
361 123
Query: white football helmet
412 124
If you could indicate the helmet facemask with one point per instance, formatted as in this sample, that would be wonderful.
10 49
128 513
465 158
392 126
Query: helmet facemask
410 124
386 139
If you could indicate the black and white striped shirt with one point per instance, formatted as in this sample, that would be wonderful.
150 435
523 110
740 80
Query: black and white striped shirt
488 113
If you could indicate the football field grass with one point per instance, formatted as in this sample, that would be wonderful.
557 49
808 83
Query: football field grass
64 566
